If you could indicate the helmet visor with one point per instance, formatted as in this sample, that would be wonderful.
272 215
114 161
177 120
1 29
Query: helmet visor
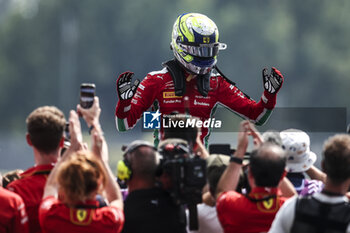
203 50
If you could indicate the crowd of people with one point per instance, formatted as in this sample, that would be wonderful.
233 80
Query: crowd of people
77 192
175 184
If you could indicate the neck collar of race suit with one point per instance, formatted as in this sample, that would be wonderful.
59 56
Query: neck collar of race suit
177 73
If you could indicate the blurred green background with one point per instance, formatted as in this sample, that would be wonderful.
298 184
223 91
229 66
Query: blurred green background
49 47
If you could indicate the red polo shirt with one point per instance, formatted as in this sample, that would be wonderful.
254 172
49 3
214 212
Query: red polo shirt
239 213
13 216
56 217
31 187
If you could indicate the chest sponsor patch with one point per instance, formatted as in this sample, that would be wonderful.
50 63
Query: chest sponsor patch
170 94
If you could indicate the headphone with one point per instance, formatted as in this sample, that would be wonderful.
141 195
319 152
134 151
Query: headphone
124 170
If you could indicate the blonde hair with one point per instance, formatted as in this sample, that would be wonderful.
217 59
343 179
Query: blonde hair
80 176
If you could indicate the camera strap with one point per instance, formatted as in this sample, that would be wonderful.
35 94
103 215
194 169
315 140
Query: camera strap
193 216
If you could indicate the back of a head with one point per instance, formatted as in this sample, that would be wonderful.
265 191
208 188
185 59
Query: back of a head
187 133
267 165
80 176
144 162
336 158
45 127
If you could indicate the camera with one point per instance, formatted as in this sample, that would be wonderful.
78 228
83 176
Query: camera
187 173
87 94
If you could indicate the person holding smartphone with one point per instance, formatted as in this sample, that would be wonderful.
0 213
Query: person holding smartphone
69 201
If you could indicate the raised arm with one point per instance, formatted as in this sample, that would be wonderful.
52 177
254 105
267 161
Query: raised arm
100 150
51 186
230 177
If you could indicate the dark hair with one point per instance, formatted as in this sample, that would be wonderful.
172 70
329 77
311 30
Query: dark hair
267 165
188 134
336 161
10 176
45 126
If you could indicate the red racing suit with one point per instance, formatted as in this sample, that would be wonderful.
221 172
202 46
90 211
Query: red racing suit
159 86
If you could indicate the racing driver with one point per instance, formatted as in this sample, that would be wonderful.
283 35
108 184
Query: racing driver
192 79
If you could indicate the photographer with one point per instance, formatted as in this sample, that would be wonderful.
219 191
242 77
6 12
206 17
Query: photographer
148 207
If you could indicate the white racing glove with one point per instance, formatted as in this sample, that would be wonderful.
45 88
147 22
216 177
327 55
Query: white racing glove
273 81
124 87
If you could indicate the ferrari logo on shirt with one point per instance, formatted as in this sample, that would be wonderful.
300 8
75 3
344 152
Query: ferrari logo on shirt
81 215
268 203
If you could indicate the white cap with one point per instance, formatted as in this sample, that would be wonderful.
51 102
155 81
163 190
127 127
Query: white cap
296 144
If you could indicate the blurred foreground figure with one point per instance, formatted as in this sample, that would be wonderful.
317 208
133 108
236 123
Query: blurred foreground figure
13 215
300 159
69 202
328 211
45 127
255 211
148 207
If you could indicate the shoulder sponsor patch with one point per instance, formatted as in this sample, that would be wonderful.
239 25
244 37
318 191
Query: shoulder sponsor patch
170 94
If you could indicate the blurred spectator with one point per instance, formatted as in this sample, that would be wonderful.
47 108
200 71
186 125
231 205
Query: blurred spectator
45 127
255 211
69 202
192 135
328 211
10 176
13 215
300 158
148 208
207 216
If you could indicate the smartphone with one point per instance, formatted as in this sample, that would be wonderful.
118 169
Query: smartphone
87 94
66 132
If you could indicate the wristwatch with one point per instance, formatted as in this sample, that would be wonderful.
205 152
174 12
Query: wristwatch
236 160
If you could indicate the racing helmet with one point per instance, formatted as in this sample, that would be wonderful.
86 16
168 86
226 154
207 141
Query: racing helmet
195 42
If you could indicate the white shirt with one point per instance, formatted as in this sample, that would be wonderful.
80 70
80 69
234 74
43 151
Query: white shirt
208 221
285 216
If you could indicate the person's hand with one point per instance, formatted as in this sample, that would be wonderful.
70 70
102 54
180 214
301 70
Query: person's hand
252 131
91 115
199 148
273 81
124 88
243 139
98 146
76 137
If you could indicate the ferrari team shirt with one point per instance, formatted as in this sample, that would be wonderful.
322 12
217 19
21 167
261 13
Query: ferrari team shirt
252 213
31 188
56 217
13 216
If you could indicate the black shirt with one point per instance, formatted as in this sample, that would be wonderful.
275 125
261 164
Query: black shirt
152 210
